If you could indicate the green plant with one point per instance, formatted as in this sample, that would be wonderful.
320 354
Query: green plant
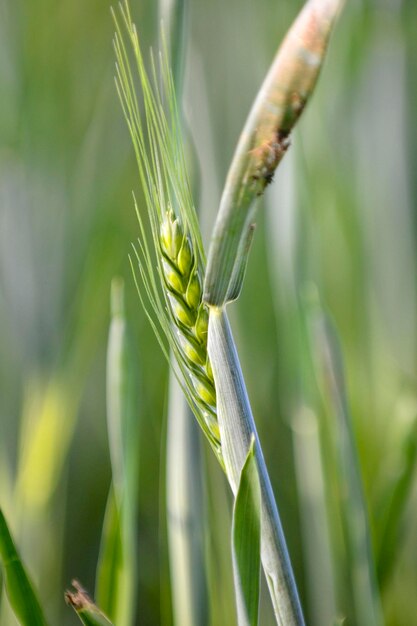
185 299
178 314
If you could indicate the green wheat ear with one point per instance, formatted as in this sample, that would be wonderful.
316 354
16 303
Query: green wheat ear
171 260
183 289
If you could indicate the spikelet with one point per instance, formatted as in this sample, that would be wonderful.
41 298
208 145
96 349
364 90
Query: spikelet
183 288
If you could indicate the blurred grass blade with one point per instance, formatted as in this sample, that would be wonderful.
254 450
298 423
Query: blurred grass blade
330 378
396 502
110 562
122 420
314 518
19 589
116 571
47 427
87 611
185 513
263 142
237 427
246 535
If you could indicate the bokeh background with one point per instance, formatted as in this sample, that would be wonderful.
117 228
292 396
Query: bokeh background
340 218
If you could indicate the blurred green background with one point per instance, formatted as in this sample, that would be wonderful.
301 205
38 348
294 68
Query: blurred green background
341 215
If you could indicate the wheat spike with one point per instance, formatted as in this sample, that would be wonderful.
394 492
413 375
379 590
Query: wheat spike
175 311
183 288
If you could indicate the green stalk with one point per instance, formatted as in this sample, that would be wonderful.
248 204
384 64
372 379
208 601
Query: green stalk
171 265
262 145
237 427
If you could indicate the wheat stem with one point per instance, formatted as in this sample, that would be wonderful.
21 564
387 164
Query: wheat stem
237 427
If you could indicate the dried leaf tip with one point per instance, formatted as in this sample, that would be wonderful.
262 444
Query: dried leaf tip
290 83
87 611
286 90
264 141
78 599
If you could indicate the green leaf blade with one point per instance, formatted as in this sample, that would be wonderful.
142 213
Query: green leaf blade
186 513
110 562
328 363
246 536
20 592
117 569
396 502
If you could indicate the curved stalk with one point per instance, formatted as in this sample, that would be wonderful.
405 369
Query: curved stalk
237 427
